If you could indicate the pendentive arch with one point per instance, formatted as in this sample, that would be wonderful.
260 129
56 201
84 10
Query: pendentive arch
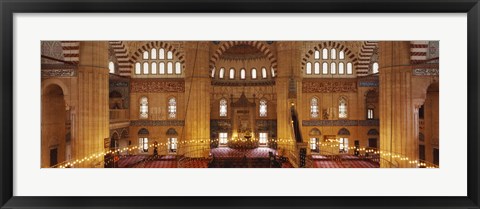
264 48
137 55
330 44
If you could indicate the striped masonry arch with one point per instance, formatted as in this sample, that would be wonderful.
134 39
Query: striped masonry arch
155 44
330 44
71 51
120 51
366 53
418 51
257 44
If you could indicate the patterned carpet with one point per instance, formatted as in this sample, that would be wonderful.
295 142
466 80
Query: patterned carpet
232 158
126 161
157 164
344 164
223 152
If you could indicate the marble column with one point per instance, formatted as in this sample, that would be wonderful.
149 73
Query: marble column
92 112
397 122
197 98
284 127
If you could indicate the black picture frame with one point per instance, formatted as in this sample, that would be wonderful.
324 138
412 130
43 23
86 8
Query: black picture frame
10 7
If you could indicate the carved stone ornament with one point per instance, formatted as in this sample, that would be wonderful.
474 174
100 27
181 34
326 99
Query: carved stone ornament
157 86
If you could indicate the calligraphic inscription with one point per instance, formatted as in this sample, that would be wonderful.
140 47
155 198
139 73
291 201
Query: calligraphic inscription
157 123
243 83
368 83
218 126
157 86
119 84
340 123
266 125
326 86
426 72
59 72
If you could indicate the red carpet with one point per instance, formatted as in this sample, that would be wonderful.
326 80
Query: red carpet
261 152
126 161
344 164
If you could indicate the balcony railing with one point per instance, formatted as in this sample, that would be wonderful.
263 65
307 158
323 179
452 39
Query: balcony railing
117 115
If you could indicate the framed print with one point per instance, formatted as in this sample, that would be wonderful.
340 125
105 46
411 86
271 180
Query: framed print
265 104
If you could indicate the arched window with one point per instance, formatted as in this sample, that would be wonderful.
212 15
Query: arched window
262 138
242 74
263 108
143 140
325 54
221 73
349 68
333 68
314 144
143 107
223 108
325 68
254 73
375 67
138 68
172 108
223 138
342 108
232 73
317 54
332 60
178 68
145 68
154 54
169 55
343 145
145 55
314 108
309 68
161 54
162 68
111 67
369 113
317 68
154 68
273 72
314 135
333 54
213 72
172 144
341 68
264 73
169 68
